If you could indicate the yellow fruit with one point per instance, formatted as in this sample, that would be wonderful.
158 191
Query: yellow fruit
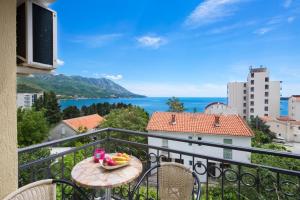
119 158
121 162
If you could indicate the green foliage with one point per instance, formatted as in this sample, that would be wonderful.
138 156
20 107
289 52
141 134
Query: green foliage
102 108
175 105
26 175
50 104
32 127
71 112
132 118
82 129
263 135
76 86
23 88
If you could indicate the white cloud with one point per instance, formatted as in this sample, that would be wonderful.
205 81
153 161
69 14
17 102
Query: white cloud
263 30
211 11
151 41
60 62
287 3
94 41
176 89
290 19
113 77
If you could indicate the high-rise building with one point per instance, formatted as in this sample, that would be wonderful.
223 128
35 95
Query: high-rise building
258 96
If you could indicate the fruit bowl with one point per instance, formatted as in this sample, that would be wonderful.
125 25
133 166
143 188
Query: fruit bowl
115 161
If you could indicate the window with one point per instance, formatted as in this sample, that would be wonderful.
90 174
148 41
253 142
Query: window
298 127
199 139
252 96
190 138
63 130
277 125
267 79
266 108
252 89
165 143
266 115
279 134
227 153
244 98
266 94
244 111
252 82
266 87
245 104
245 84
245 91
252 103
252 75
266 101
191 162
252 110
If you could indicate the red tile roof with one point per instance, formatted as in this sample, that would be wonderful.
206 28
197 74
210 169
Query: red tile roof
90 122
285 118
297 97
201 123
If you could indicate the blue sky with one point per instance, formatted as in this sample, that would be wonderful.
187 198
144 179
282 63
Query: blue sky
180 47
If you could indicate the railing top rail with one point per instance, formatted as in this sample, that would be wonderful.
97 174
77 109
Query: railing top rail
59 141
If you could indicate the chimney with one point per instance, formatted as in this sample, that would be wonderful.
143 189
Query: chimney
217 121
173 120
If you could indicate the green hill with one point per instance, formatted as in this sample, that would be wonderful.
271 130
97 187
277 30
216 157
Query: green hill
74 86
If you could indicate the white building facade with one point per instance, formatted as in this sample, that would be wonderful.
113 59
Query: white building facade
258 96
188 122
219 108
287 127
294 107
26 100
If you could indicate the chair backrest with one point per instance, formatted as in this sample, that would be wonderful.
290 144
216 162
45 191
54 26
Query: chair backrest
176 182
40 190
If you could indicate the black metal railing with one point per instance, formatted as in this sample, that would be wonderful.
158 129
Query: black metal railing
220 178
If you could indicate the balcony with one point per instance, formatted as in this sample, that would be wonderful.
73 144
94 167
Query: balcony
220 178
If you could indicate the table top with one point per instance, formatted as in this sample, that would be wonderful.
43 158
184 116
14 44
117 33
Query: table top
89 174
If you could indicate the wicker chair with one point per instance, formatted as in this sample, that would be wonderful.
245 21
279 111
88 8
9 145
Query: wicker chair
42 190
176 182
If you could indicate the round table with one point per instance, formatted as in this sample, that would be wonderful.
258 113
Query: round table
89 174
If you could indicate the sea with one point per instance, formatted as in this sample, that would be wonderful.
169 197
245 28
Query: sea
153 104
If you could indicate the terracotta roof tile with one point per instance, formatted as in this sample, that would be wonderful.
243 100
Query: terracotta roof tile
285 118
200 123
90 122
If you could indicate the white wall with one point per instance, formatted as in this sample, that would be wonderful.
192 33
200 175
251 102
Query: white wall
26 100
289 131
202 150
236 96
294 108
274 99
219 109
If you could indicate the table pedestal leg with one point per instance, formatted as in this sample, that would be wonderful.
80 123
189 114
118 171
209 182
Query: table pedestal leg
107 194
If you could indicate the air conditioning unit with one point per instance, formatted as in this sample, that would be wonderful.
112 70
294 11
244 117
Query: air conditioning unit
36 37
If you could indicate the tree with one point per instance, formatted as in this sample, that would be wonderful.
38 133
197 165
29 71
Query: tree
175 105
263 135
71 112
132 118
49 102
32 126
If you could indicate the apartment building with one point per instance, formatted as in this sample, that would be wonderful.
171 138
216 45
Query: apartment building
222 129
287 127
26 100
294 107
258 96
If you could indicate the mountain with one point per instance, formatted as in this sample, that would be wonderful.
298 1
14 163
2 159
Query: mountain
74 86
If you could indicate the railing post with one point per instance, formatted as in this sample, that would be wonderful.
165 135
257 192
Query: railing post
108 138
